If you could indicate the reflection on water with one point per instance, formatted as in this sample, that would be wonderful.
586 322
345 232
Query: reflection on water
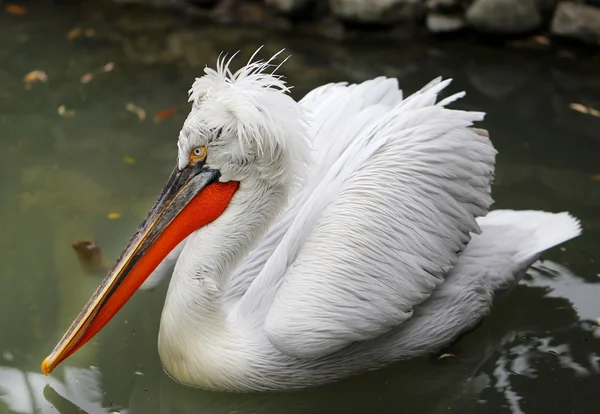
28 392
537 352
523 356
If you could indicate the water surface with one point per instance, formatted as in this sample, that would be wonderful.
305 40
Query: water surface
61 176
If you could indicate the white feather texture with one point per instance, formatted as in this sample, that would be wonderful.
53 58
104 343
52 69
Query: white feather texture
384 251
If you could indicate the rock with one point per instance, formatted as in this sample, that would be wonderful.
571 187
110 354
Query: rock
504 16
440 23
578 21
378 11
288 6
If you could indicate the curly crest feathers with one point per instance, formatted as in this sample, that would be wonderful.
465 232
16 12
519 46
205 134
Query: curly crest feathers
253 105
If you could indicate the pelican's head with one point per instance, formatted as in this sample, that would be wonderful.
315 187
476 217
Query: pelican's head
246 124
242 126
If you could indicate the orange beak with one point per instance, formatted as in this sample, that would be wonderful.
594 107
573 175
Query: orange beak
192 198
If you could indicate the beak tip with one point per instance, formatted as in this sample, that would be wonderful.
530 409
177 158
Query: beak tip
46 369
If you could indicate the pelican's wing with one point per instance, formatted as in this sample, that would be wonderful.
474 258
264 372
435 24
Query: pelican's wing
354 108
380 230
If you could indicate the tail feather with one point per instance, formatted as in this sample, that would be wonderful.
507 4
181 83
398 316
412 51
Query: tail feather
535 231
510 241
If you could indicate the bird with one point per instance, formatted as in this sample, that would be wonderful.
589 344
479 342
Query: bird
306 241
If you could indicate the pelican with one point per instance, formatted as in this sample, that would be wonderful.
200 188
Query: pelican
307 241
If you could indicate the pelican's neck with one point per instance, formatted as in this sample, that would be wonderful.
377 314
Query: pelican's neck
213 251
193 317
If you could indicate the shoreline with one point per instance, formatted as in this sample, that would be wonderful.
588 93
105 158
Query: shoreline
319 22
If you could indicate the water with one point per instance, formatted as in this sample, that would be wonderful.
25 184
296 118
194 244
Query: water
61 176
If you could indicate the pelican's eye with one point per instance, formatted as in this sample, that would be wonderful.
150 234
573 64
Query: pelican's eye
197 154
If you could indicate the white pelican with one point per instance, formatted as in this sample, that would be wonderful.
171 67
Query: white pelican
312 240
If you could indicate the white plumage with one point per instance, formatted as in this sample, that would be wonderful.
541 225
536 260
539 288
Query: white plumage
359 235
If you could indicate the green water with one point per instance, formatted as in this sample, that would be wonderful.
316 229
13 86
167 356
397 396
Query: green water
61 176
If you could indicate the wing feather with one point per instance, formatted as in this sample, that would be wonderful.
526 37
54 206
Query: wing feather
380 230
354 107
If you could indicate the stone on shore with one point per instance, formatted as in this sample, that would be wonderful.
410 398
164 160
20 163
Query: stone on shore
443 23
378 11
578 21
504 16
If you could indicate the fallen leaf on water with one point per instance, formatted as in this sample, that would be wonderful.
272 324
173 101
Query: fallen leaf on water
596 177
108 67
141 114
113 216
78 32
129 160
542 40
35 76
446 356
584 109
164 114
90 256
91 75
63 111
74 33
87 77
578 107
15 9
